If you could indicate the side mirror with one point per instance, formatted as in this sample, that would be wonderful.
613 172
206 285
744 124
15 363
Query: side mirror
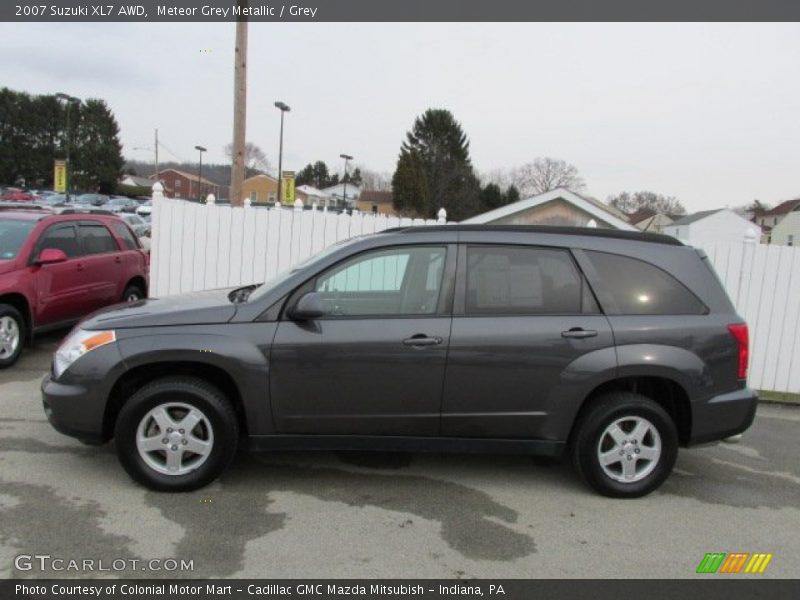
307 308
50 256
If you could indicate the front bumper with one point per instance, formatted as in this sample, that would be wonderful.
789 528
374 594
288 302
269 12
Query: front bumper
73 410
723 416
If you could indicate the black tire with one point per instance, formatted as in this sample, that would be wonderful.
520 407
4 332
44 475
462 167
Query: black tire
132 291
11 316
592 426
196 393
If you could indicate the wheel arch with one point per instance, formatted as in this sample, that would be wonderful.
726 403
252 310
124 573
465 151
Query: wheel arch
133 379
665 391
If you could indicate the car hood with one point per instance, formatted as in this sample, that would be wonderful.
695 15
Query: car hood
196 308
6 266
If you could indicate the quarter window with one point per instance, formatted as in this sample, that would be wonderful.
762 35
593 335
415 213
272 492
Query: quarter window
639 288
398 281
127 237
524 280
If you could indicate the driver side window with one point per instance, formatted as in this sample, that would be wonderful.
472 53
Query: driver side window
392 282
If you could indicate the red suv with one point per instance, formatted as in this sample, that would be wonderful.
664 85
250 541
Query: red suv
57 267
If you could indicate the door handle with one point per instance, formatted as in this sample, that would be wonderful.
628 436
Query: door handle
422 340
79 267
577 332
117 259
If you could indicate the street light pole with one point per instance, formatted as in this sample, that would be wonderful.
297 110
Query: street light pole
346 157
284 108
200 173
69 100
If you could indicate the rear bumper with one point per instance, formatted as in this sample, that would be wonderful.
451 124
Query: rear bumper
723 416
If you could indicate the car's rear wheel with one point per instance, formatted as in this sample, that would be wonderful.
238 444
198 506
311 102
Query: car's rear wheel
132 293
625 445
12 335
176 434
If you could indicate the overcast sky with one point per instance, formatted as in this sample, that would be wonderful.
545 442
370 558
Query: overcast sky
707 113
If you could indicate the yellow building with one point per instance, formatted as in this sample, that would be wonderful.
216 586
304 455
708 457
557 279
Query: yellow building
264 188
376 202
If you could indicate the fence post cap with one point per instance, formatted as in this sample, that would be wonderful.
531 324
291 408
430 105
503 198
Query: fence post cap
277 204
158 187
248 202
298 204
592 223
211 199
442 215
750 235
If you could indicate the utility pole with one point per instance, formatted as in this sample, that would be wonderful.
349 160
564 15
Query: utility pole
284 108
239 108
346 157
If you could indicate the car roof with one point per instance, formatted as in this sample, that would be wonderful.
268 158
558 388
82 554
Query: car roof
40 213
639 236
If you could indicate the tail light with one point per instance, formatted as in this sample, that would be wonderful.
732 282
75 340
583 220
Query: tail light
740 333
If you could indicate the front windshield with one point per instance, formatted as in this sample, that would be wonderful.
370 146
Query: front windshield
306 264
13 233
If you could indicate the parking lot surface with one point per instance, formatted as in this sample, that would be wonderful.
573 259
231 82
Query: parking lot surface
389 515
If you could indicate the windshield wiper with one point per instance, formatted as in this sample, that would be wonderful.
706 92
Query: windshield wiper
241 294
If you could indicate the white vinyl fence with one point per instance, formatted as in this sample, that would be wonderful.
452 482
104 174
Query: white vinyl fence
763 281
205 246
200 247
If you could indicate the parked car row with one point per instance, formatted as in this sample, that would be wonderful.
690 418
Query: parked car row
56 266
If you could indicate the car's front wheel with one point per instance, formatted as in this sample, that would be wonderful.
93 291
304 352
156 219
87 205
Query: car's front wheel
176 434
12 335
625 445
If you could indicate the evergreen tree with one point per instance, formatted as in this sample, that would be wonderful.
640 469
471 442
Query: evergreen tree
438 143
512 195
492 197
97 156
410 186
33 134
316 174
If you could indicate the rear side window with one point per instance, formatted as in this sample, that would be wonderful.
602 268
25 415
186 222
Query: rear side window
639 288
60 237
96 239
523 280
127 237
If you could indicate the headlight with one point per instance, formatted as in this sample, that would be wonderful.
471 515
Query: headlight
77 344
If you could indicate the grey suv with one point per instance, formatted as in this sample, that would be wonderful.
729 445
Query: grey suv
614 347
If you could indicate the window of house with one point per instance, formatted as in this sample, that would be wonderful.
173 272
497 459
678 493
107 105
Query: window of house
374 209
398 282
639 288
789 240
524 280
177 183
254 196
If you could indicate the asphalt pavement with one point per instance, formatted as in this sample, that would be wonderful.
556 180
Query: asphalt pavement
325 514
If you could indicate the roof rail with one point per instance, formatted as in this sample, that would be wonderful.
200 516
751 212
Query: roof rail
71 210
24 206
639 236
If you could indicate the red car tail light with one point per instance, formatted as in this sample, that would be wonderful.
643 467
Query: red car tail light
740 333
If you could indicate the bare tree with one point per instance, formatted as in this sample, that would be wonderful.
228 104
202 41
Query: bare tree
544 175
254 157
374 180
650 201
